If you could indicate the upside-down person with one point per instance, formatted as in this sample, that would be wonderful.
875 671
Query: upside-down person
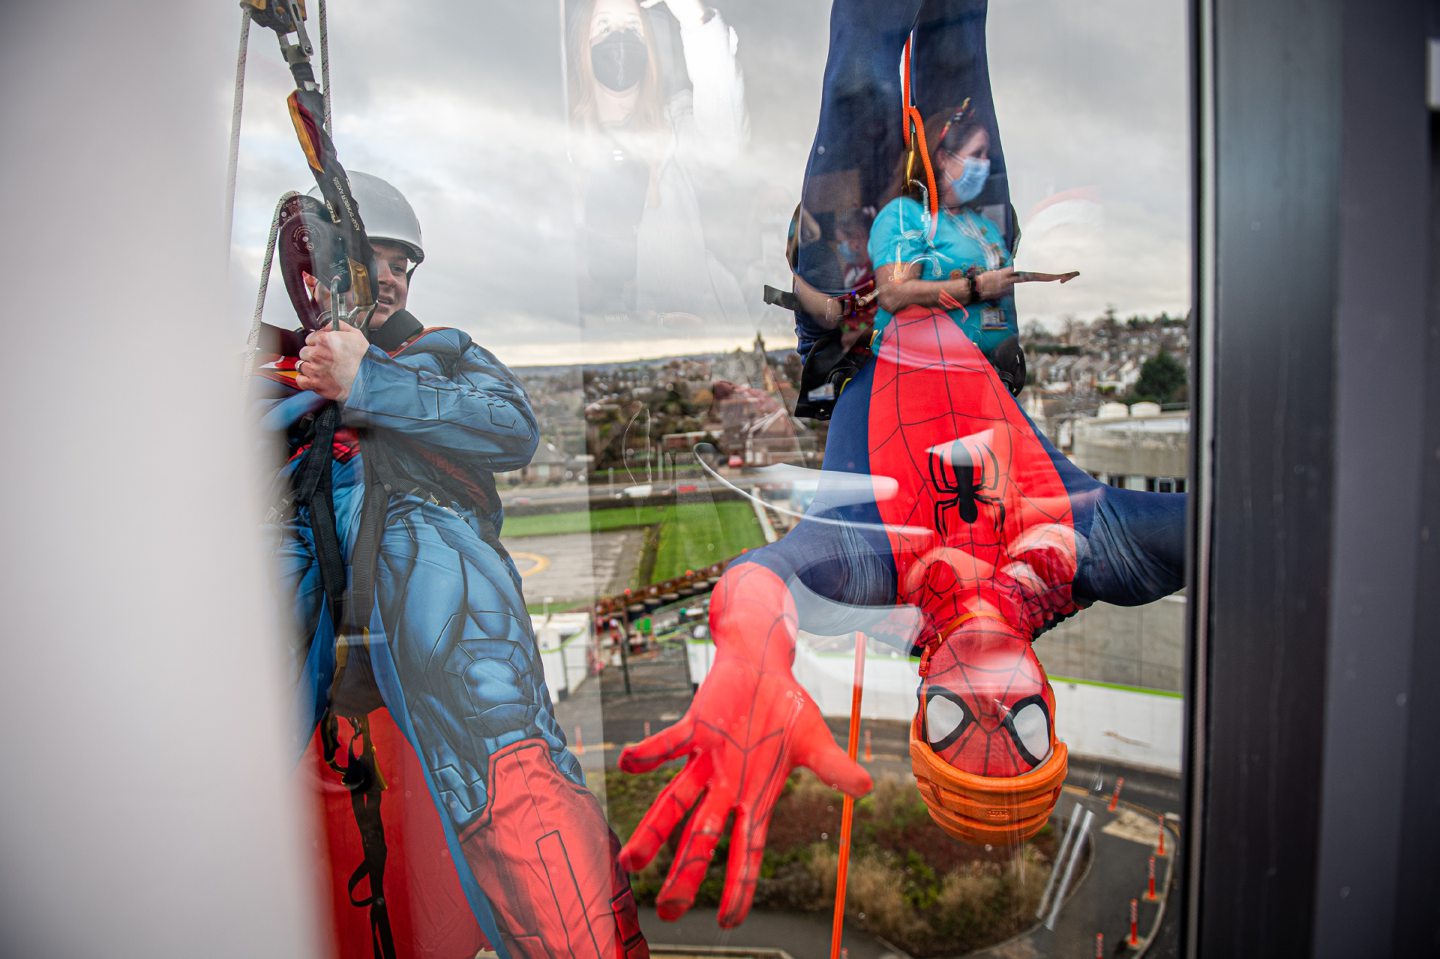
939 495
433 624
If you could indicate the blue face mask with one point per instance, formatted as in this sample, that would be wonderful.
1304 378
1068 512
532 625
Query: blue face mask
846 251
971 181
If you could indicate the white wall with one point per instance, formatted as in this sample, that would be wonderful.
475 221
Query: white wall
1132 726
1139 728
148 808
565 640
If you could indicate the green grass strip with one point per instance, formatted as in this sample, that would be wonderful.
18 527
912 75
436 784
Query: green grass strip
1146 690
698 534
583 521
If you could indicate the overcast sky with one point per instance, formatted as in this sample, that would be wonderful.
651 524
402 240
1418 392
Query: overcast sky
462 106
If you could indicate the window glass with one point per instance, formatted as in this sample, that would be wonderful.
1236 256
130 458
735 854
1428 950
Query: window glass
579 552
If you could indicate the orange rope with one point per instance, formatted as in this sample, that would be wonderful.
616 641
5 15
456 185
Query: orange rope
924 150
915 142
847 814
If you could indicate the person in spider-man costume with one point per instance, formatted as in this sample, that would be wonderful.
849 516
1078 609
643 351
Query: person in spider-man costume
446 643
938 496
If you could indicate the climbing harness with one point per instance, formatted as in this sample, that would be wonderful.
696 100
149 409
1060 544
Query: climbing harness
829 364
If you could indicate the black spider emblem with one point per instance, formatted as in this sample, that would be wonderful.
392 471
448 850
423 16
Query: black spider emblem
969 477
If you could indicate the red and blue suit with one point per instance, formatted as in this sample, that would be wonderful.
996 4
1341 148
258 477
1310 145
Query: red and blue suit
945 523
942 507
447 643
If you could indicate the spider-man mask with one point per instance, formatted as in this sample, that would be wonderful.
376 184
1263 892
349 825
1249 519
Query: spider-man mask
983 744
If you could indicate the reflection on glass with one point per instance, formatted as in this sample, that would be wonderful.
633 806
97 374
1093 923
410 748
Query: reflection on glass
946 524
653 121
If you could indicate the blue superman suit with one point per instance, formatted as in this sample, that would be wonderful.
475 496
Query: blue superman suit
450 650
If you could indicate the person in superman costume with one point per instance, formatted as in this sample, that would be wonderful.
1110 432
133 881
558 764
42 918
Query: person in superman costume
943 507
442 636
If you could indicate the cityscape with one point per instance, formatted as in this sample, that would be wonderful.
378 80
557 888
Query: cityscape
642 420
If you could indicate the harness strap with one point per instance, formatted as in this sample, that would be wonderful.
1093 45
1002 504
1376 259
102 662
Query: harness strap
314 488
361 774
828 367
366 558
781 298
361 777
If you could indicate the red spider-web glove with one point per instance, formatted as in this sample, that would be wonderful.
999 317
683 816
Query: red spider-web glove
749 725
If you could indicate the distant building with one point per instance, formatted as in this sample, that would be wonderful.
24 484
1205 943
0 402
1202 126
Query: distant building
757 427
548 465
1137 447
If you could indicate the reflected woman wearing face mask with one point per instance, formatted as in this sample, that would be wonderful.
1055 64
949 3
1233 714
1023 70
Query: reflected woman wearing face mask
643 144
957 261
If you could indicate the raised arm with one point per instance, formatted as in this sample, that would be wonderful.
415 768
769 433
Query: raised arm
478 415
716 124
442 393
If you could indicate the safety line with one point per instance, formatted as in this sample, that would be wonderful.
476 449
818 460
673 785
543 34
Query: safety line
847 814
236 109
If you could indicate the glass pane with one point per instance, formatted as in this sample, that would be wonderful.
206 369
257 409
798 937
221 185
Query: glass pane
624 538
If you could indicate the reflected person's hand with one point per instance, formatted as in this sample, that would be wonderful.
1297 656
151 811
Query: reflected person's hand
994 284
330 360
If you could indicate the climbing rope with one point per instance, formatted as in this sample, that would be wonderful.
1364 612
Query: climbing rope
847 813
325 66
236 109
252 341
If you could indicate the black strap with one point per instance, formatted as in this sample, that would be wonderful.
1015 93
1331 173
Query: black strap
828 367
361 776
366 557
782 298
314 488
396 331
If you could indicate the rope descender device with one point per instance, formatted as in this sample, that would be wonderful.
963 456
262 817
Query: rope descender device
353 269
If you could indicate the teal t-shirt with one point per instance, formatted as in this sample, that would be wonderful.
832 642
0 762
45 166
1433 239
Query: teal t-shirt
901 234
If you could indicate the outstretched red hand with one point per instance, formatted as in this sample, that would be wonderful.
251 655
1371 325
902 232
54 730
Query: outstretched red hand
749 725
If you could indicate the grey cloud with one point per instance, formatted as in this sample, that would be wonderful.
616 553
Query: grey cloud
461 104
